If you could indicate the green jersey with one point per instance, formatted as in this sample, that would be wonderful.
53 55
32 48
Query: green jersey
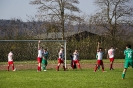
128 54
46 55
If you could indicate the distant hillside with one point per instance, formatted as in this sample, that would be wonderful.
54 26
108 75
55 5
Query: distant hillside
68 35
38 29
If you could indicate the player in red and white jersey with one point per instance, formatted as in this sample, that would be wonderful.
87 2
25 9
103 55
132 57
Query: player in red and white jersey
110 55
76 59
39 57
99 58
61 59
10 60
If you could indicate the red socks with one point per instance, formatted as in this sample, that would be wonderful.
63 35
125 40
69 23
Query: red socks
39 68
57 68
9 67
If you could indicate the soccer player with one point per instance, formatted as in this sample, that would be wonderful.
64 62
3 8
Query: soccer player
44 59
76 59
128 59
96 64
61 59
10 60
99 59
39 57
71 57
110 55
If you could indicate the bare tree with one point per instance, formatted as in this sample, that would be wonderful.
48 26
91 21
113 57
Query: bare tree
56 10
10 29
111 16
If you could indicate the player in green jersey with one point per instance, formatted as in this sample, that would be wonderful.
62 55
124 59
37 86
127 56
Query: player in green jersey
128 59
44 60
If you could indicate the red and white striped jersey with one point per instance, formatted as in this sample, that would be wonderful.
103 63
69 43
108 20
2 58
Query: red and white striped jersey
61 54
111 53
75 56
10 55
40 53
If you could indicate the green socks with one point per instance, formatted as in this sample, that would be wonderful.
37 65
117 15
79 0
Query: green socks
123 75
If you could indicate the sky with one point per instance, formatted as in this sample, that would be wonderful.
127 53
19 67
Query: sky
21 9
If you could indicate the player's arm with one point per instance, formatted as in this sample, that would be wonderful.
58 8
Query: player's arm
39 44
98 45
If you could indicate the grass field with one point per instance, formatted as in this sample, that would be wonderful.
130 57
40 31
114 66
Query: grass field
84 78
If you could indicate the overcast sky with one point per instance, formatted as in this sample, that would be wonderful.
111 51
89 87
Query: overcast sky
19 9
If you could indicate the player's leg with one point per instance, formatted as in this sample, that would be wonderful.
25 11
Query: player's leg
44 69
64 66
124 73
42 64
77 62
39 64
45 65
101 63
74 64
62 61
97 65
126 65
58 65
111 63
13 66
102 67
8 66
